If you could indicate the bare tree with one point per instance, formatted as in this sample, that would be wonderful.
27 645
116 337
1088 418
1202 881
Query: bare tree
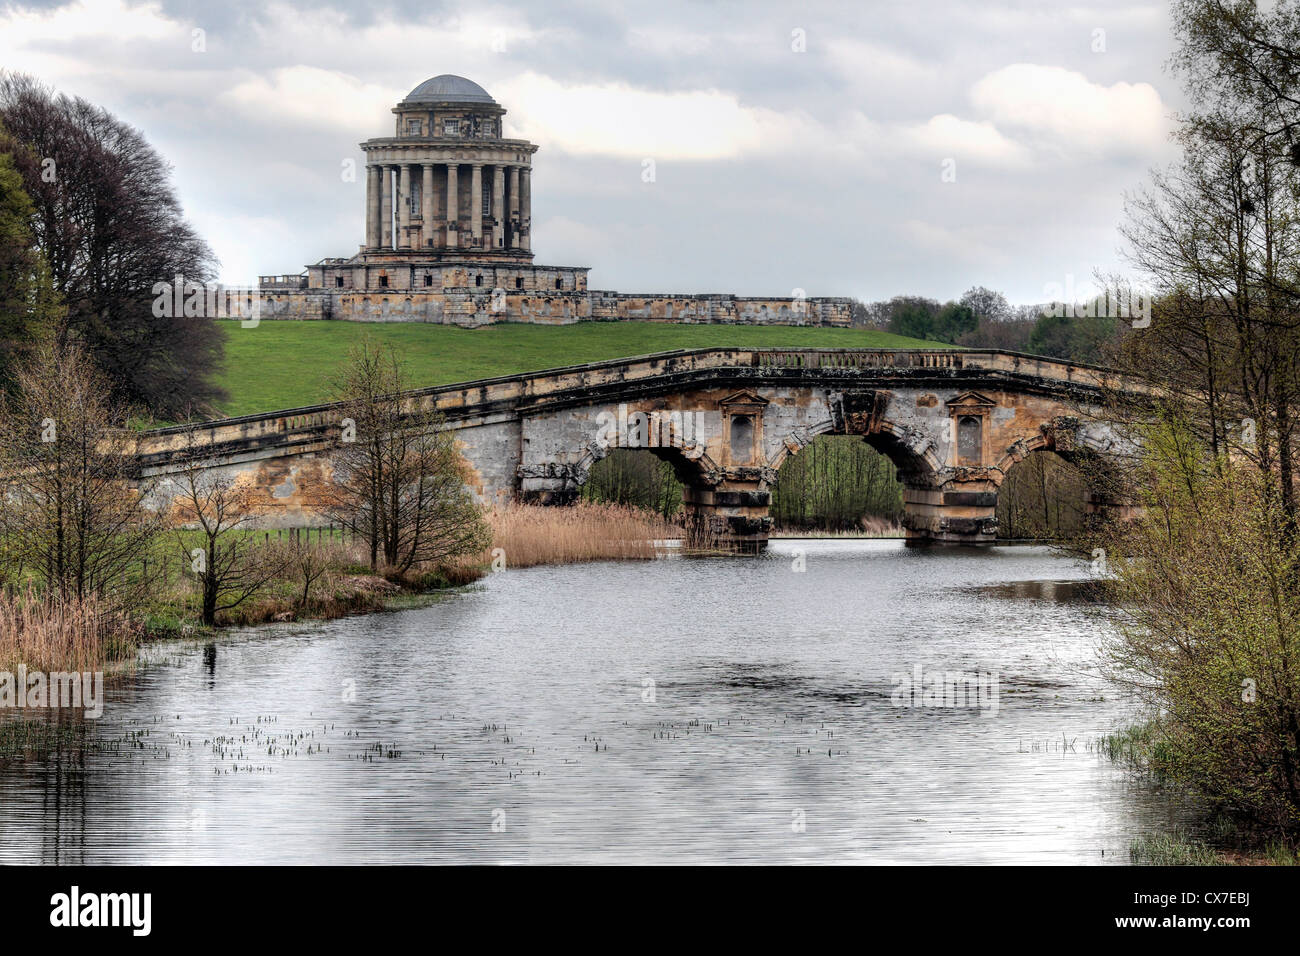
306 563
73 513
1243 51
230 565
399 480
1219 238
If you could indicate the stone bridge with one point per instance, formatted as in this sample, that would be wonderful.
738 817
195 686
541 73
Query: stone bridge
953 422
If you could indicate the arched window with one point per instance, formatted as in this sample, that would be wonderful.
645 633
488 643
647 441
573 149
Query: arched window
970 439
742 438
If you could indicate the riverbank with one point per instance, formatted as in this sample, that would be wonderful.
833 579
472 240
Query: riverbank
319 575
1216 839
1181 849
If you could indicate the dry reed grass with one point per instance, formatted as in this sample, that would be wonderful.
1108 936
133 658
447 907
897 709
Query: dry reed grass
533 534
65 635
871 527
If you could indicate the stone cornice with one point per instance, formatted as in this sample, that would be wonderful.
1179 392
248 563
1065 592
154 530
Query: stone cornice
449 149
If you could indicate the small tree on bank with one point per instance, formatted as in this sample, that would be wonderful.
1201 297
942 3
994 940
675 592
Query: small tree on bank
399 482
215 510
71 515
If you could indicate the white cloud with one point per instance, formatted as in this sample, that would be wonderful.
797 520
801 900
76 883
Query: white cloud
56 42
949 136
947 244
309 96
1060 109
825 163
86 18
868 63
616 119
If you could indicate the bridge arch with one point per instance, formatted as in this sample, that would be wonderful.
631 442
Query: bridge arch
911 454
914 456
1092 454
689 466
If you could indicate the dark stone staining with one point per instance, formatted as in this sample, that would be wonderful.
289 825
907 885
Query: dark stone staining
971 499
742 499
970 444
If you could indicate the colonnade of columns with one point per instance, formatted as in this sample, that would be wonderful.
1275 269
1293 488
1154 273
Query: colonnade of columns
388 204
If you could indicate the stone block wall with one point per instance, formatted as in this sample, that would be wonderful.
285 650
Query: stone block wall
472 305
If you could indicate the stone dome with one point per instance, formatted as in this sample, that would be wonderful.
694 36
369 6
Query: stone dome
449 88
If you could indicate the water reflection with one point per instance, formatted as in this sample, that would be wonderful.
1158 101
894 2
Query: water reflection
1086 591
670 711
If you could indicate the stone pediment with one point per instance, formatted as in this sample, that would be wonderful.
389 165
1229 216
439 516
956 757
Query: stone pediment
971 400
745 397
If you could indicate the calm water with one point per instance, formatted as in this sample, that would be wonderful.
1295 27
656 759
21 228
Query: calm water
514 723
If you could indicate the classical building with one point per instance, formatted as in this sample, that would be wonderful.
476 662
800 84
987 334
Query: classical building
448 238
449 132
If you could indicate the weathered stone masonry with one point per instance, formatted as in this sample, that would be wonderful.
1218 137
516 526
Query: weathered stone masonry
952 422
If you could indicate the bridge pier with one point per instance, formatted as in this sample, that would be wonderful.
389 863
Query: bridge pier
950 516
1101 508
731 516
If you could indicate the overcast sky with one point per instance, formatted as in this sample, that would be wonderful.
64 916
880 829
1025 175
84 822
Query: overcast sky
795 145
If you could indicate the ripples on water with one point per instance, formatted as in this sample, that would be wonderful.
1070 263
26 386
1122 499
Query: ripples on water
512 723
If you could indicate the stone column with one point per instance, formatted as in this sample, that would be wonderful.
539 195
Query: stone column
498 207
453 206
386 208
525 207
373 212
404 207
514 207
426 232
476 202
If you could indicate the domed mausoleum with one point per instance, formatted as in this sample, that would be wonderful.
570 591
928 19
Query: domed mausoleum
448 180
448 212
448 201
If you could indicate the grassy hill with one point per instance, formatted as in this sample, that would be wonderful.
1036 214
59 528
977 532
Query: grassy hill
290 364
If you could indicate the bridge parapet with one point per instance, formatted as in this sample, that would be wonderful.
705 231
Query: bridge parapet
857 358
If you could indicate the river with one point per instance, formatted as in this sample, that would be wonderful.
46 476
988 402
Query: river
676 711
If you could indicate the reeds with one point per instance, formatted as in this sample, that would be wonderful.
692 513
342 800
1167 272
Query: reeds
870 526
53 633
529 535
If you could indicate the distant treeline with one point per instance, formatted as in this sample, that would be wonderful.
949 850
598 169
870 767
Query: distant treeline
984 319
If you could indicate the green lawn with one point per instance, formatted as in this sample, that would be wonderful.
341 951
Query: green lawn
289 364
